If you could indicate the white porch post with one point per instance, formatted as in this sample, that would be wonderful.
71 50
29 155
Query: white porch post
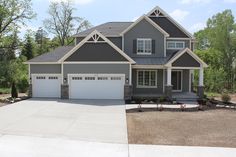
201 76
168 76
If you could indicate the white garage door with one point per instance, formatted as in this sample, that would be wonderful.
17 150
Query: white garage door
97 86
48 86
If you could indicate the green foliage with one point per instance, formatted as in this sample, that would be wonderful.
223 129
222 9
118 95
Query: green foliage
14 93
225 97
5 90
23 85
28 48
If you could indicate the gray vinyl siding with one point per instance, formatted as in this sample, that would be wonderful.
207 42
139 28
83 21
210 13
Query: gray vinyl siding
186 61
144 30
116 40
96 52
96 69
158 90
45 68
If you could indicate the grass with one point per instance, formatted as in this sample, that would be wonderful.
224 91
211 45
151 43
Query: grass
5 90
204 128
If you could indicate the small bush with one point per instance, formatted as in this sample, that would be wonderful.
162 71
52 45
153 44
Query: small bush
225 97
14 93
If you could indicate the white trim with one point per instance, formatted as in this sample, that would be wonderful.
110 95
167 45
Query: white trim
96 42
177 81
169 77
201 62
101 36
175 42
172 20
143 86
148 20
45 74
41 63
201 77
173 38
123 43
190 45
148 67
164 47
96 62
186 67
29 75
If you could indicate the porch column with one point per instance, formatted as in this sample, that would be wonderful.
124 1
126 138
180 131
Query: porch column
200 88
168 87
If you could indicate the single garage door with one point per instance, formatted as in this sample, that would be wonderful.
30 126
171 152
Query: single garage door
97 86
48 86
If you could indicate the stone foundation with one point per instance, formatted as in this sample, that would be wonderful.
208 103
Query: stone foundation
128 92
64 91
30 91
168 91
200 92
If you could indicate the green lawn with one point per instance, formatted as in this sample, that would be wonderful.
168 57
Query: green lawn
5 90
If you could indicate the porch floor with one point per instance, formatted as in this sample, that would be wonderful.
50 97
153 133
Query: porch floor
179 95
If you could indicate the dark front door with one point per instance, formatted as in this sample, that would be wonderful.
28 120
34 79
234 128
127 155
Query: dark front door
176 80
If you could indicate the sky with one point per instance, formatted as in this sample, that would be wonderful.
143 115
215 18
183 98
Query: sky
191 14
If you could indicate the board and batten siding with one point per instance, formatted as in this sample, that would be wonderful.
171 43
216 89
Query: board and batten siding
45 68
144 30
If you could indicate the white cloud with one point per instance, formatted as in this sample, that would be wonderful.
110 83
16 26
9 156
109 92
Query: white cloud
194 1
230 1
80 2
197 26
179 15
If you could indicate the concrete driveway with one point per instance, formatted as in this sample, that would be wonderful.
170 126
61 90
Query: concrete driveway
38 127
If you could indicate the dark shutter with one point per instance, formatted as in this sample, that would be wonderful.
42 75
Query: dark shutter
135 46
153 46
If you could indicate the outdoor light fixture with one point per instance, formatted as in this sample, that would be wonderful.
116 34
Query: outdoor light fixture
65 80
127 80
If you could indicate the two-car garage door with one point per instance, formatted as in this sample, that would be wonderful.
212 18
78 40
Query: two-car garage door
81 86
96 86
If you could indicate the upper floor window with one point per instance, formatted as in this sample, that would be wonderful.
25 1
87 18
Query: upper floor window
175 45
144 46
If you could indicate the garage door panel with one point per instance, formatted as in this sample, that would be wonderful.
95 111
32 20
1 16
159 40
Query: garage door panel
46 86
97 87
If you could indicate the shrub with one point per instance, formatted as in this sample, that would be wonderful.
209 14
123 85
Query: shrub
14 93
225 97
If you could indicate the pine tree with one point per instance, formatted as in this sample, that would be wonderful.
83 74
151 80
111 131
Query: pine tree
27 50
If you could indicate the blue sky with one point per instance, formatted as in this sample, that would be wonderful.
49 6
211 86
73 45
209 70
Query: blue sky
192 14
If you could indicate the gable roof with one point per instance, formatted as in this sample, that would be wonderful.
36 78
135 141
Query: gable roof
181 52
53 56
98 35
164 14
109 29
144 17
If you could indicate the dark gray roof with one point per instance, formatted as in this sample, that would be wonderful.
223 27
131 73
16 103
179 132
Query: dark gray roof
107 29
154 61
52 56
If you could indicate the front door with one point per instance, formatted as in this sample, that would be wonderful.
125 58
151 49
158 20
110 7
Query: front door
176 80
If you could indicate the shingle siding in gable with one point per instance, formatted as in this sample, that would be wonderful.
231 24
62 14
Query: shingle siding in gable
185 61
96 52
169 27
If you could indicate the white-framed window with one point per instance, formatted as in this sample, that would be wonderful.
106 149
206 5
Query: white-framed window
146 78
89 78
144 46
175 45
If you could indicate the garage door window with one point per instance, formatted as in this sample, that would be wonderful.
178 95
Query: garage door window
102 78
52 78
40 77
76 78
115 78
89 78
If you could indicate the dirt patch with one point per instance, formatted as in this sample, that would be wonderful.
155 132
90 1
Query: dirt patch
233 98
203 128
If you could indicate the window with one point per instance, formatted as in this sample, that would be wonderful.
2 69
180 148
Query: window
115 78
146 78
102 78
76 78
89 78
52 78
40 77
144 46
175 44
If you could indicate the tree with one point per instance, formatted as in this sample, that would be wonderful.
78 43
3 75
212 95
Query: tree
13 13
62 23
27 50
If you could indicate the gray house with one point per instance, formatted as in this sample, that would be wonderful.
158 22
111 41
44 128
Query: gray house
150 57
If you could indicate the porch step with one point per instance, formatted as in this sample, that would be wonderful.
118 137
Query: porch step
187 100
